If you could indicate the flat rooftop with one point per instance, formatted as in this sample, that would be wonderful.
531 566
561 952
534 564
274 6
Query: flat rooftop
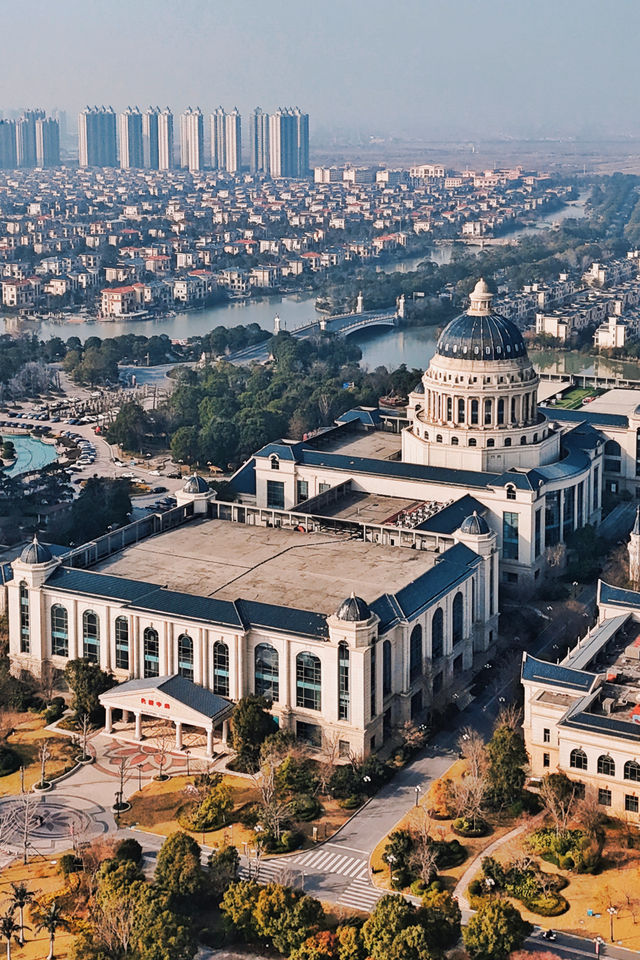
376 444
368 507
551 388
216 558
618 401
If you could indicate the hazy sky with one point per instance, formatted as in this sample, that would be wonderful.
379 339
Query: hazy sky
433 68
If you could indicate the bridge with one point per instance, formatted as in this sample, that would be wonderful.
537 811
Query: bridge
340 325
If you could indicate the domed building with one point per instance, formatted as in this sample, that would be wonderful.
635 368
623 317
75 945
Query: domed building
477 405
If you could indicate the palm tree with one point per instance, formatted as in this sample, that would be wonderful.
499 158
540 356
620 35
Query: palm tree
21 896
8 930
51 921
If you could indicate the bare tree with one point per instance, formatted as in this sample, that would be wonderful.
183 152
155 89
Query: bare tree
473 750
413 736
328 761
558 795
273 810
85 729
24 819
47 683
43 753
588 812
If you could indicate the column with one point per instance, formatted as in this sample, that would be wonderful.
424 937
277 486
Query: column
138 733
240 678
225 733
209 741
163 640
107 723
178 724
107 639
73 631
133 649
206 670
197 656
285 676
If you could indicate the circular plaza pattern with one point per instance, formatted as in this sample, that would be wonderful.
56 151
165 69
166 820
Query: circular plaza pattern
51 825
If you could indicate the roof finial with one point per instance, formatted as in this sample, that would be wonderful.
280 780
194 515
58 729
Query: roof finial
480 299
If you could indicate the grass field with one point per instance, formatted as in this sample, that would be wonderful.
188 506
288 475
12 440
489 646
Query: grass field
574 399
29 734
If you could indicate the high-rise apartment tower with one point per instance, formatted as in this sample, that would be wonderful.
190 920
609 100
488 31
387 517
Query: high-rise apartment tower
97 143
131 143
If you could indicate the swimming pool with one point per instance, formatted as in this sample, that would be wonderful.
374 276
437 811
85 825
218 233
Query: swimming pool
31 454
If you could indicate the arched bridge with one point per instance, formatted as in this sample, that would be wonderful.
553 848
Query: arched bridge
340 325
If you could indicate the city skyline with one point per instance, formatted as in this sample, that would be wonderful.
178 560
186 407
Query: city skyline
357 67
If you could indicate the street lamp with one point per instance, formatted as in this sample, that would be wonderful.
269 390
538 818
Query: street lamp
418 789
139 766
187 754
612 912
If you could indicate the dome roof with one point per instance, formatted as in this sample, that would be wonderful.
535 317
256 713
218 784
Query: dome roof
195 484
354 609
475 524
481 334
36 552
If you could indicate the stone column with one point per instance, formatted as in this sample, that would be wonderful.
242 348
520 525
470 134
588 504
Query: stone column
108 720
240 677
209 741
178 724
73 630
225 733
138 733
285 676
107 639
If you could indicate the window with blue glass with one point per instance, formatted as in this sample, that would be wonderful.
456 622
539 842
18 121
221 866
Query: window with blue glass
510 536
552 518
266 672
437 634
373 682
122 643
275 494
386 668
25 635
580 510
151 646
91 636
185 656
537 540
308 681
568 515
457 617
221 668
415 653
59 631
343 681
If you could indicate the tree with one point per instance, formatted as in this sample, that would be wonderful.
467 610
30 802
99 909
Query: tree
441 798
494 931
286 917
103 502
129 849
52 921
129 427
391 915
507 759
441 918
185 445
214 809
223 869
412 943
238 907
251 722
321 946
558 794
159 933
20 897
179 871
397 854
9 930
350 945
87 681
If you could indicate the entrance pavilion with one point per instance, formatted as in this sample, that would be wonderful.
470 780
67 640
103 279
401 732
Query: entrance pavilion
172 698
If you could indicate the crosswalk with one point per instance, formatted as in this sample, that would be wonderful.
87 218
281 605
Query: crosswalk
360 895
326 860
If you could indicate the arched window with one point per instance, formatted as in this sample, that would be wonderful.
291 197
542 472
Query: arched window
343 681
472 442
59 631
439 438
415 653
632 770
185 656
488 412
91 636
458 618
386 668
275 463
151 644
513 409
606 765
122 643
501 411
25 635
578 760
474 411
525 413
612 449
437 634
491 442
523 441
507 441
511 492
460 409
221 668
454 441
266 672
308 681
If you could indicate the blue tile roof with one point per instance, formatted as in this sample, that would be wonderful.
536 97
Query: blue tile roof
617 596
600 723
585 415
556 675
101 585
369 418
185 691
451 518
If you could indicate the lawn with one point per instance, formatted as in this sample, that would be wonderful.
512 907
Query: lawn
43 879
617 885
155 808
29 734
573 399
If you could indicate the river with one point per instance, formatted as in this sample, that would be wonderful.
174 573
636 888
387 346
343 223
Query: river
414 346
